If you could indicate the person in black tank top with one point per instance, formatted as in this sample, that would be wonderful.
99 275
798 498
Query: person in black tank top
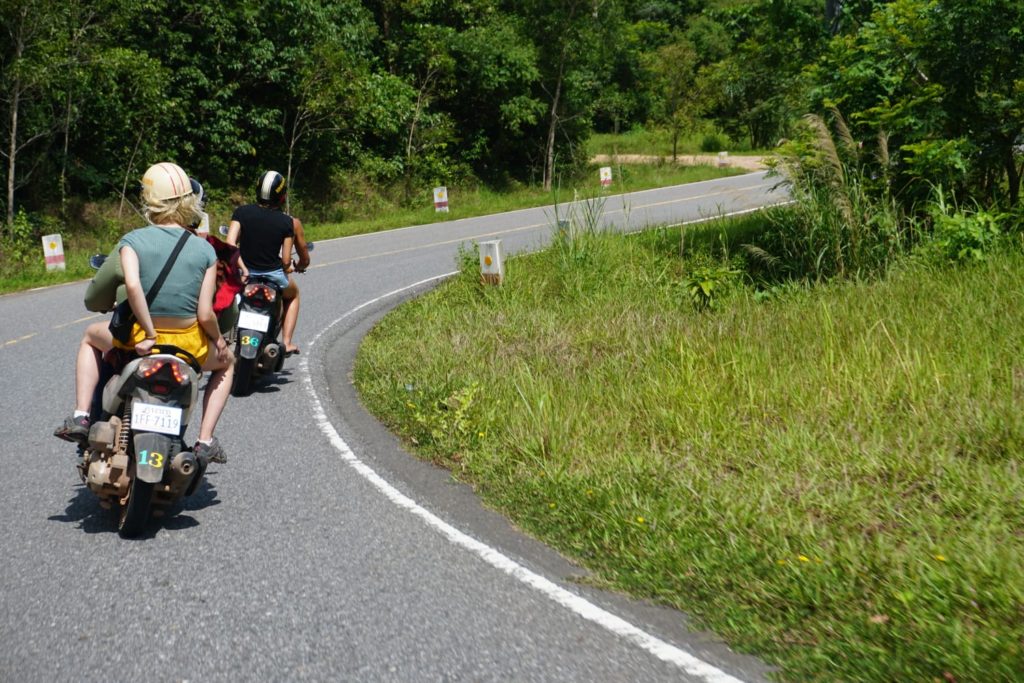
265 234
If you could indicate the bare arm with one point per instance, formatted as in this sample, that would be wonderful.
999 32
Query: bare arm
205 315
234 233
300 246
137 298
286 254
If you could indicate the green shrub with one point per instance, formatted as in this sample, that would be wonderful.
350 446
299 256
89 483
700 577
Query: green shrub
962 235
712 143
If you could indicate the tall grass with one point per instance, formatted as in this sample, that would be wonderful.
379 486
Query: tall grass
830 477
842 224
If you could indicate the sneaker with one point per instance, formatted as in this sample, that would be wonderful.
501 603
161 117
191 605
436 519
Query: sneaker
74 429
212 453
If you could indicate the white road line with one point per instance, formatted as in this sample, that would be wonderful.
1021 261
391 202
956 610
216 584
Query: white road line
616 625
12 342
80 320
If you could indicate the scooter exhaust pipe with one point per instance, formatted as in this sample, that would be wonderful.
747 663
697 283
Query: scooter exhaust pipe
183 469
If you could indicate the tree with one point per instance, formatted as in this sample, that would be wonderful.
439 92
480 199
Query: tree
675 66
568 35
29 65
942 79
761 84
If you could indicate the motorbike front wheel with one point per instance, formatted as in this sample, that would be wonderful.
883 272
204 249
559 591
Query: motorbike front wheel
245 373
135 513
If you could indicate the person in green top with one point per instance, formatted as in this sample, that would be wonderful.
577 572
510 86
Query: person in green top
181 314
106 290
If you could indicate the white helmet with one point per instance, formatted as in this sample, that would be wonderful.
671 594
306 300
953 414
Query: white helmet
165 181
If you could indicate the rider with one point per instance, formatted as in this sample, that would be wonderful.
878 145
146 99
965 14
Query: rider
106 289
180 315
265 234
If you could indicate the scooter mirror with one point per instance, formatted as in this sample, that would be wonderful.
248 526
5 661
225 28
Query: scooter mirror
223 230
97 260
309 246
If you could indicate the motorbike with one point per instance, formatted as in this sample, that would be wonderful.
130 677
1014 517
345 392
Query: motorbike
258 349
135 458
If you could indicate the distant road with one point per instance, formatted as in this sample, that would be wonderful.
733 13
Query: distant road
320 551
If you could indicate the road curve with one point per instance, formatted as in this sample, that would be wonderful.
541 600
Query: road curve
320 551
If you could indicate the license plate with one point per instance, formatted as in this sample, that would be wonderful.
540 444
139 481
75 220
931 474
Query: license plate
147 417
248 320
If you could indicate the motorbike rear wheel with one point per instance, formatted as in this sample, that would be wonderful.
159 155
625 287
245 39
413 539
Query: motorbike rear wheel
245 373
135 513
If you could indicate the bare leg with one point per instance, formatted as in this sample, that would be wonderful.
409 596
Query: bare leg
95 342
291 314
218 388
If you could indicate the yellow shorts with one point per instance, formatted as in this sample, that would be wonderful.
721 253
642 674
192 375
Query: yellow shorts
191 339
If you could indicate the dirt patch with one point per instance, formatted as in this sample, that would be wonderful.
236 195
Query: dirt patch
751 163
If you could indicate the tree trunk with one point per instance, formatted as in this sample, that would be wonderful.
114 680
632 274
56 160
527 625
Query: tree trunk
549 152
1012 175
64 160
128 170
422 96
12 152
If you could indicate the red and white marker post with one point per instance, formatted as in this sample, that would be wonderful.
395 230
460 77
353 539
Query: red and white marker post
441 199
53 252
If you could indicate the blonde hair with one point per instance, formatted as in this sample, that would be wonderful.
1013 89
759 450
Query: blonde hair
184 211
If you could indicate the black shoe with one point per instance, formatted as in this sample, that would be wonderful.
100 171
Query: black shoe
211 453
74 429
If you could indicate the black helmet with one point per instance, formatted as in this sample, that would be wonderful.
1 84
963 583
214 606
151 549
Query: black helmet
197 190
270 189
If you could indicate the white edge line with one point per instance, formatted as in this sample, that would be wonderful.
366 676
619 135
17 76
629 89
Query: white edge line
616 625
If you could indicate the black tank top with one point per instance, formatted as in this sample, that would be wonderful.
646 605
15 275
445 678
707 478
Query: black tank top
263 232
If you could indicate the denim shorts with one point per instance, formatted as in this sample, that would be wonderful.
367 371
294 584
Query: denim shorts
276 276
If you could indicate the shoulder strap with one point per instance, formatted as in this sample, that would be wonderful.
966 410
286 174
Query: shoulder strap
158 283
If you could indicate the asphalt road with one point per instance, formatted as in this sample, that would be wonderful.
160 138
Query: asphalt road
320 551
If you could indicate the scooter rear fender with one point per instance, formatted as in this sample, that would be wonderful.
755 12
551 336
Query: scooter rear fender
153 454
249 342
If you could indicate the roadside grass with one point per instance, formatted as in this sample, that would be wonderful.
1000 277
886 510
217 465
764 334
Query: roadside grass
829 477
658 142
20 274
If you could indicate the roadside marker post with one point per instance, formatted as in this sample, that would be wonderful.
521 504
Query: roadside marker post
53 252
606 176
441 199
492 269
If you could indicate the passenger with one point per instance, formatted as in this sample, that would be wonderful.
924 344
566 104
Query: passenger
181 314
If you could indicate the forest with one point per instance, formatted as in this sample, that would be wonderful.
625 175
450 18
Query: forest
394 96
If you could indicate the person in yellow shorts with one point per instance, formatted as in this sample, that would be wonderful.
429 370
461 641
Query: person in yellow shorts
190 339
181 314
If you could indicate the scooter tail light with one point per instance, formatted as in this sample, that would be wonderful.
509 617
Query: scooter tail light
260 291
150 366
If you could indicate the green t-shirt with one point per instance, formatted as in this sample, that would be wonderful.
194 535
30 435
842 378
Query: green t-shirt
179 295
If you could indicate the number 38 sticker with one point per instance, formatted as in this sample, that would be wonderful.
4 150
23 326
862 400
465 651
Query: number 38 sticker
250 341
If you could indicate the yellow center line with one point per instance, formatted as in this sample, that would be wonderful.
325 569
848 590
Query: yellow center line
522 228
80 320
12 342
